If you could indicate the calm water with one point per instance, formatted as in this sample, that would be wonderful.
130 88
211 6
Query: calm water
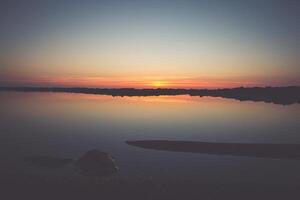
67 125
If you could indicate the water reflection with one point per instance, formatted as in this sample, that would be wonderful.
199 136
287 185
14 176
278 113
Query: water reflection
68 124
48 161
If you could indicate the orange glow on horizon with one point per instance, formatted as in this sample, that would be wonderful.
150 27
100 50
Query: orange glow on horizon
135 82
159 84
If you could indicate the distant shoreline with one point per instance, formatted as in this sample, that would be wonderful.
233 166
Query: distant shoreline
277 95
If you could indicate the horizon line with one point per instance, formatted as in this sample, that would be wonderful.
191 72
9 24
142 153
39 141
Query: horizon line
146 88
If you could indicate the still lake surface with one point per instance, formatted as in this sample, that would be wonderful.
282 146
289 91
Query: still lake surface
68 125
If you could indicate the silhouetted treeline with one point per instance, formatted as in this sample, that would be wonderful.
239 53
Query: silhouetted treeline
277 95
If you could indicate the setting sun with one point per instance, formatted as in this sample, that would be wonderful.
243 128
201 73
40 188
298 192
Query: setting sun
158 84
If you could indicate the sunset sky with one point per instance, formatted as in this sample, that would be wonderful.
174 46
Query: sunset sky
131 43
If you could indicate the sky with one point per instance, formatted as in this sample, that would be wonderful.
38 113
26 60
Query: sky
149 44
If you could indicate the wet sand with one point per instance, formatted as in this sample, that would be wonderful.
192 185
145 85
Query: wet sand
274 151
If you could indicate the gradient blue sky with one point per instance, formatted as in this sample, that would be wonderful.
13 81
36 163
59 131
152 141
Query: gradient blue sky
125 43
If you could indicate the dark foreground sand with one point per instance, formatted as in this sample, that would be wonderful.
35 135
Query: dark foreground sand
140 189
